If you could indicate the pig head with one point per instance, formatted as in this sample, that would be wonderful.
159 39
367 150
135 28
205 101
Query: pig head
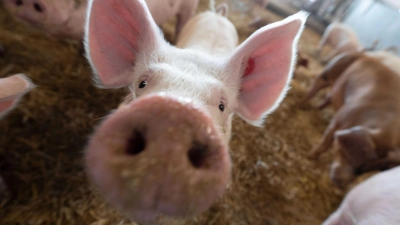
341 37
374 201
353 147
165 153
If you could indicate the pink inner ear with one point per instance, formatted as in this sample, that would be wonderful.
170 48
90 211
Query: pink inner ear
250 67
117 32
268 70
6 105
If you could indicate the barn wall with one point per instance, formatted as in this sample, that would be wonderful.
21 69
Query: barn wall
373 19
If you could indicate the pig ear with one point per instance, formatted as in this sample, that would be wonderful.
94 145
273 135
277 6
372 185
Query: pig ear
117 35
11 90
266 60
356 145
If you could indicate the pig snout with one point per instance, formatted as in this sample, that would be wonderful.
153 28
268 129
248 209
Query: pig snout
159 156
29 10
36 5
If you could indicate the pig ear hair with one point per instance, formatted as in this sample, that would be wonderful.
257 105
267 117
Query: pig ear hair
356 145
266 60
117 35
11 90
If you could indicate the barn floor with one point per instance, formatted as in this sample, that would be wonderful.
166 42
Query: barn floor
42 142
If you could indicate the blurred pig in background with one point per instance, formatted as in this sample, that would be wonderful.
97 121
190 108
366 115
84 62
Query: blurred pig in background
12 88
165 153
66 18
341 38
374 201
365 130
260 19
59 18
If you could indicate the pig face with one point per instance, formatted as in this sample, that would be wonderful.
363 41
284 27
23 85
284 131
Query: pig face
353 147
165 151
41 12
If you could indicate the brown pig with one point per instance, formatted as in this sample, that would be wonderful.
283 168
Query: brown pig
341 37
66 18
366 128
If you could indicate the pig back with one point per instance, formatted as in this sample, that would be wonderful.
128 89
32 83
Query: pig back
369 79
388 59
161 11
377 199
209 32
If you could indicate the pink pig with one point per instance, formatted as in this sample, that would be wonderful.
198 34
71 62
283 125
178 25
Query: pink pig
341 37
365 131
66 18
165 153
374 201
60 18
11 90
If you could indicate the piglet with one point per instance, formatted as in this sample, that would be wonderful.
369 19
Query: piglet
60 18
261 3
341 38
374 201
365 130
165 153
66 18
11 90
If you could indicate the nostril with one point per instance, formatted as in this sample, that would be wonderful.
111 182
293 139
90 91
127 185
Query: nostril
136 143
198 155
37 7
19 2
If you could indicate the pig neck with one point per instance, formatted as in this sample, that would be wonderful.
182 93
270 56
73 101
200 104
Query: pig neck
209 33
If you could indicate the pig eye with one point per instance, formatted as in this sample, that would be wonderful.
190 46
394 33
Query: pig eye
221 107
142 84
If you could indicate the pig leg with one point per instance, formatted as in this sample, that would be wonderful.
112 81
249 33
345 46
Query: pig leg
326 141
324 40
327 101
331 55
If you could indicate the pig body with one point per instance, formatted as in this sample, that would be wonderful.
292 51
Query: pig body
388 59
374 201
165 152
66 18
11 90
342 39
365 130
261 3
